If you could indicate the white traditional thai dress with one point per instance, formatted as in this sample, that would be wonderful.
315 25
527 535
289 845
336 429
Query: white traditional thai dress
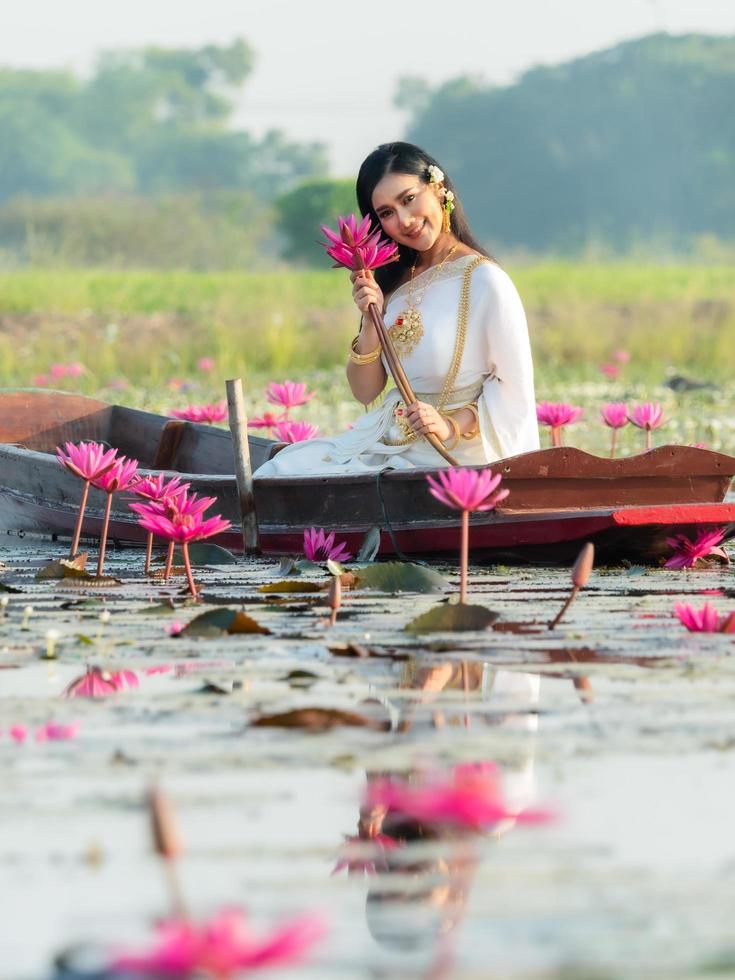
485 359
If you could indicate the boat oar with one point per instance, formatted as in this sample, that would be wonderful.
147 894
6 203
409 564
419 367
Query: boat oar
243 469
581 572
168 845
398 374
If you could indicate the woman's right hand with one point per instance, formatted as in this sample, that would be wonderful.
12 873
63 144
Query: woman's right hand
365 290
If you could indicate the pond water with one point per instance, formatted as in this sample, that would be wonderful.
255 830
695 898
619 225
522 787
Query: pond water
633 877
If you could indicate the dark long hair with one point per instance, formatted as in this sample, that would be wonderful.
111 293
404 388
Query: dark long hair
405 158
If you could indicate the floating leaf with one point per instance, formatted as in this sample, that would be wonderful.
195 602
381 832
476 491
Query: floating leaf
319 720
204 553
363 652
83 638
290 585
219 687
301 678
370 545
9 588
215 622
65 568
452 617
400 576
157 609
287 566
305 565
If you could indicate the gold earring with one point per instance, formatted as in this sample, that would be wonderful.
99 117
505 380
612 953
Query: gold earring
447 207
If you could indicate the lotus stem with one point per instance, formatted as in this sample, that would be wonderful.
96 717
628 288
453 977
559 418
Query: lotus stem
464 548
570 598
168 846
335 598
80 518
649 438
169 561
581 571
555 435
612 443
187 566
148 553
103 539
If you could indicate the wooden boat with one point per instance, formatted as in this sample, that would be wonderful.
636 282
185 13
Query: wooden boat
559 498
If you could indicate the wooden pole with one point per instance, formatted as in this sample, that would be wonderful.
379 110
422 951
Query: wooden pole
243 470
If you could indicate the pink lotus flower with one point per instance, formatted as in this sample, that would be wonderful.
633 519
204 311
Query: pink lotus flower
40 380
206 364
614 415
365 856
704 620
57 371
221 948
159 489
205 414
19 733
321 548
174 628
179 519
610 370
98 683
122 475
288 431
89 461
75 369
268 420
289 395
358 246
687 553
470 798
648 416
466 490
557 415
621 356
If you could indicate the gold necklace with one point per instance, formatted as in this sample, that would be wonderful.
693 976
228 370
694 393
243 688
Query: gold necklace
408 328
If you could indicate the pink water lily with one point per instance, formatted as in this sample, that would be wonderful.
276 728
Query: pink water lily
180 519
359 246
687 553
610 370
468 491
205 414
704 620
557 415
268 420
469 798
54 731
160 489
615 416
320 547
98 683
621 356
58 371
89 461
648 416
289 431
206 364
288 395
40 380
221 948
122 475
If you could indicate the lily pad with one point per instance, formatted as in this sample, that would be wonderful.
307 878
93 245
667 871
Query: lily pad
10 588
291 585
215 622
401 576
370 545
310 567
203 553
64 568
453 618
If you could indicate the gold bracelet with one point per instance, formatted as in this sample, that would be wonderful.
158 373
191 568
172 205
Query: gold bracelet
456 433
364 358
471 433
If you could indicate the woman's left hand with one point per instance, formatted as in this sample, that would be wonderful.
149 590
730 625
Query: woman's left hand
424 418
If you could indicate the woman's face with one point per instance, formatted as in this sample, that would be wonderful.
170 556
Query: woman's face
410 211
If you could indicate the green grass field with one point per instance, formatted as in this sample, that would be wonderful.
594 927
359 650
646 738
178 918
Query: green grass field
140 334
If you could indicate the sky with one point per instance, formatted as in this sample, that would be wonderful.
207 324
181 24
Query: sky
327 70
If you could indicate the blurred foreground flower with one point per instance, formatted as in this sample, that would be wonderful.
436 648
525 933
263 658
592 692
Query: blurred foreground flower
320 547
222 947
206 364
557 415
89 461
289 394
470 798
358 246
98 683
268 420
610 370
205 414
687 553
365 857
704 620
466 490
288 431
648 416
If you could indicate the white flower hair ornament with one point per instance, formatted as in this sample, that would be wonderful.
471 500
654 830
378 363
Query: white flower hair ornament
436 176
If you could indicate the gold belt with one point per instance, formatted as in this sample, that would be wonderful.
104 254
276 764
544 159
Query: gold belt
458 396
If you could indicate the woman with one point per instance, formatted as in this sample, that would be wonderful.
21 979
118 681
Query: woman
458 326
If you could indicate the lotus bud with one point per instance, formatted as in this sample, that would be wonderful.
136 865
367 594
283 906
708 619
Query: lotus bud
3 606
166 838
335 597
51 638
27 613
583 566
